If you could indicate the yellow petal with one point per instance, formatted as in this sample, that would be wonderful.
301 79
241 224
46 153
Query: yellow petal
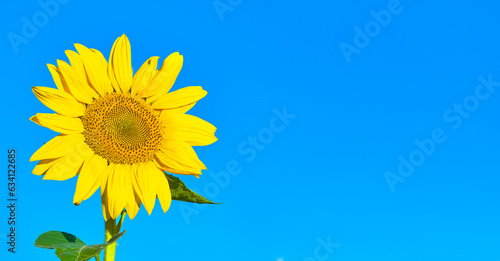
180 98
133 208
58 146
120 65
164 195
134 178
105 207
144 75
166 76
76 64
104 181
178 110
89 178
107 186
95 68
77 83
58 78
104 191
189 128
103 64
127 190
183 171
58 123
112 188
135 185
68 166
147 184
133 204
195 138
118 189
179 155
59 101
43 166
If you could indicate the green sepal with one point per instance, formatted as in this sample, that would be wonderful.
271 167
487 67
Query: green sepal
181 192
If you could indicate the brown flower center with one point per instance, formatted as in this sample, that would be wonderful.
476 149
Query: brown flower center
122 128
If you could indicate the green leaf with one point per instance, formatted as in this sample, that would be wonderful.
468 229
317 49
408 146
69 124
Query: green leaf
70 248
55 238
180 192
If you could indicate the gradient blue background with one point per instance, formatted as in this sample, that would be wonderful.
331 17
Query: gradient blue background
323 175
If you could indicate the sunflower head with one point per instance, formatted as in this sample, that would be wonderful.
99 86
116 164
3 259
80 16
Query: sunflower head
122 129
120 132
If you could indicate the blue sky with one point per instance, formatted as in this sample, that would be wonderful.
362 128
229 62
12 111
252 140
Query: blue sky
320 109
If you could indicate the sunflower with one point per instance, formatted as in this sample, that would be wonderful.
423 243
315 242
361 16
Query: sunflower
119 131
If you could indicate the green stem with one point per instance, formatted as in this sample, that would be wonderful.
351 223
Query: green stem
111 229
119 226
109 251
97 258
